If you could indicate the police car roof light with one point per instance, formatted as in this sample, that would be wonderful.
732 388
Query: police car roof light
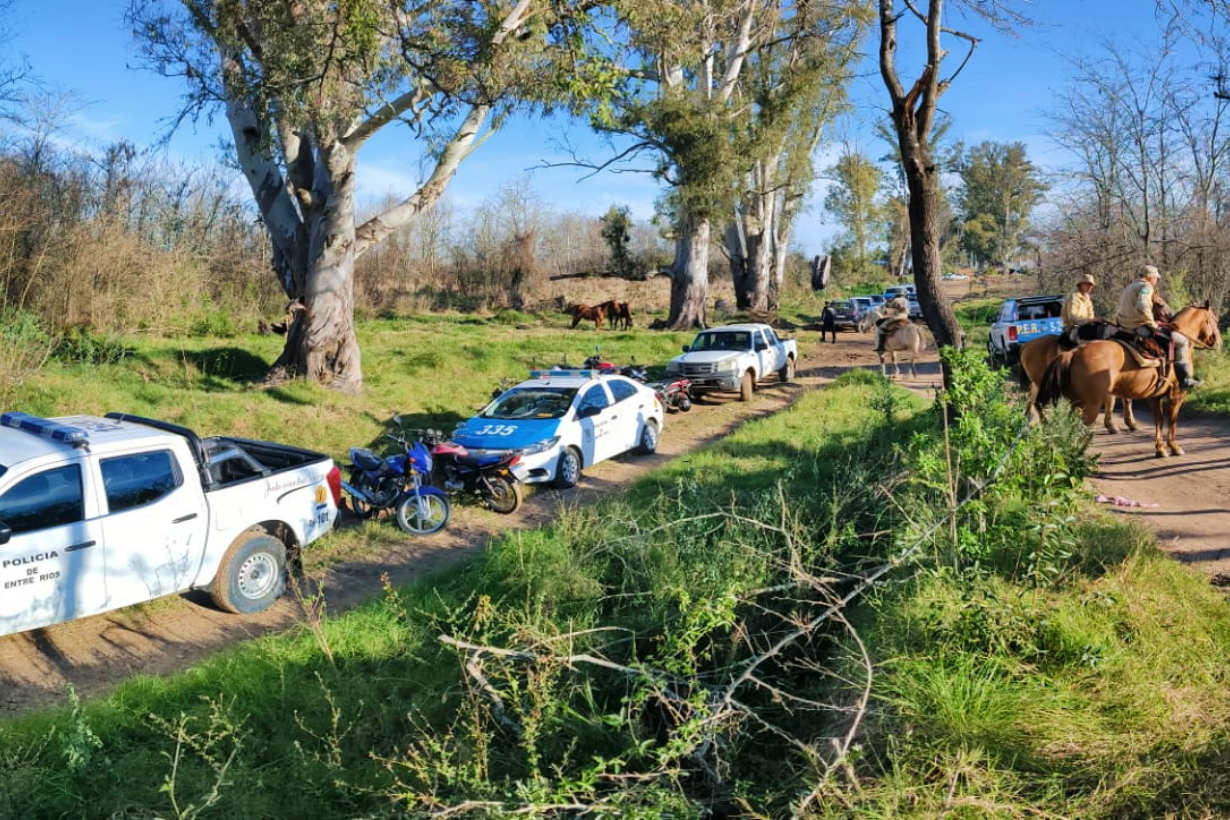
47 429
561 373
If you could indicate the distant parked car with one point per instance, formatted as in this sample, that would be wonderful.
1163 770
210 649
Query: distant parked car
846 312
954 277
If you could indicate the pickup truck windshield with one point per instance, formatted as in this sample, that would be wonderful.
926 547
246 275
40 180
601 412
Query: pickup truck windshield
532 403
726 340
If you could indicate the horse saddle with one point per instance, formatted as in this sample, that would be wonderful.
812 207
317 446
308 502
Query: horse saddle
1094 331
892 325
1151 356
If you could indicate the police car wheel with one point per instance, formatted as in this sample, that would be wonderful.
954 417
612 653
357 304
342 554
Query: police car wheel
649 439
568 473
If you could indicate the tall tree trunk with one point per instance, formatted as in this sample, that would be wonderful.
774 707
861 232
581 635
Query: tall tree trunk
321 344
690 275
737 252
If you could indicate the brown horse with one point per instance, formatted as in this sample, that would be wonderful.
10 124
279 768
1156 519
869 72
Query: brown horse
596 313
623 315
1092 372
1036 356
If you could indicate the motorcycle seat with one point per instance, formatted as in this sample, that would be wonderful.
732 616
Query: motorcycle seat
365 459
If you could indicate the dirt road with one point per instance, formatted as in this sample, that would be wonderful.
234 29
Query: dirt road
95 654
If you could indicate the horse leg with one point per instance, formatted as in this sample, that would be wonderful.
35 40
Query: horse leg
1159 448
896 367
883 370
1128 418
1089 412
1109 413
1176 401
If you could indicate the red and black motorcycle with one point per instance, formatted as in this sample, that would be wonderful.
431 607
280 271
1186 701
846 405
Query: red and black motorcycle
675 393
492 479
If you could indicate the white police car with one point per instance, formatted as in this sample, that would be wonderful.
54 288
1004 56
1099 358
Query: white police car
563 420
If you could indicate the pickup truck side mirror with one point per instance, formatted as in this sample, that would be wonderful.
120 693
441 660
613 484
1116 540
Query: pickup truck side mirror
762 345
687 348
6 532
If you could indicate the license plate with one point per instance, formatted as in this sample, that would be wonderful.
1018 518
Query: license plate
519 472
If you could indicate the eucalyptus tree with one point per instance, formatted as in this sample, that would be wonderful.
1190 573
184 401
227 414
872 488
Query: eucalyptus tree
855 199
913 117
1000 187
683 86
796 85
304 84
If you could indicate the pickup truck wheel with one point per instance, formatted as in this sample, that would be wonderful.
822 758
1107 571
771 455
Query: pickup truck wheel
430 517
252 574
786 374
747 387
568 473
503 494
649 439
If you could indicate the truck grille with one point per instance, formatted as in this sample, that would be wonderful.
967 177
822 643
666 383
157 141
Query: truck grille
694 370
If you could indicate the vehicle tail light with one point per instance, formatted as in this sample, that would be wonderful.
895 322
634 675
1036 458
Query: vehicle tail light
334 480
1011 333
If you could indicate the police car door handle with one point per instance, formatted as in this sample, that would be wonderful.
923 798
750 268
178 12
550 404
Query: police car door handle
184 518
83 545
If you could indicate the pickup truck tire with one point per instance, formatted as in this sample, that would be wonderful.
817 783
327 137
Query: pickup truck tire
437 512
252 574
747 387
786 374
649 439
568 473
503 495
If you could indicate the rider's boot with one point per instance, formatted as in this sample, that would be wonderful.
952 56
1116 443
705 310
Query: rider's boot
1184 375
879 340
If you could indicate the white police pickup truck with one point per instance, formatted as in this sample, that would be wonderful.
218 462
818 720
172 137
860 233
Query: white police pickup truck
734 358
98 513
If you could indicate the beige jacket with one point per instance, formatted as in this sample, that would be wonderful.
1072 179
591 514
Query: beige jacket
1077 310
897 308
1136 306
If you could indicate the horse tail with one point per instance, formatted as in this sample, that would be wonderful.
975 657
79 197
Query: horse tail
1053 381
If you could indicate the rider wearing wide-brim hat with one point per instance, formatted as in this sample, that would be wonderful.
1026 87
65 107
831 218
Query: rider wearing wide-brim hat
1136 314
1078 307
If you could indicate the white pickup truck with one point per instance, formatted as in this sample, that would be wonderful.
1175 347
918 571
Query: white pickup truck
99 513
734 358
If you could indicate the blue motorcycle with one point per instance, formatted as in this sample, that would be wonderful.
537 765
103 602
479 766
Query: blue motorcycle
397 482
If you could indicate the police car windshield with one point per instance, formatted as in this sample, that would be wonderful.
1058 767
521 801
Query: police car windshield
531 403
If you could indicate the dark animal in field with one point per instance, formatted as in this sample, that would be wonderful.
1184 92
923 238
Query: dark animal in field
623 315
595 313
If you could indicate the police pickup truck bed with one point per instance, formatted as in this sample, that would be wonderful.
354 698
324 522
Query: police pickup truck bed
1021 320
100 513
734 358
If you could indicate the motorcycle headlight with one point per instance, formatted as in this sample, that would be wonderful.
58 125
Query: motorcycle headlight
541 446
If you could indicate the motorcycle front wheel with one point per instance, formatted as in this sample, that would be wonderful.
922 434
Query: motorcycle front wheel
358 507
502 494
422 514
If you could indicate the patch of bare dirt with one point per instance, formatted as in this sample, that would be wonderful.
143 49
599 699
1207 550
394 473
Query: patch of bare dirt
95 654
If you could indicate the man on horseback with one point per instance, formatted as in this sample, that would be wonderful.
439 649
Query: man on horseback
893 315
1136 315
1078 307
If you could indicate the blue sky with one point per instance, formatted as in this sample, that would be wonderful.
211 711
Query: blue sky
1003 95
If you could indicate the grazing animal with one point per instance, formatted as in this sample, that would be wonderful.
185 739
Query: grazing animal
1036 356
908 340
596 313
623 315
1088 374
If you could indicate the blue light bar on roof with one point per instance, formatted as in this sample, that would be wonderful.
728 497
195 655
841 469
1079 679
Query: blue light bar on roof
42 427
559 373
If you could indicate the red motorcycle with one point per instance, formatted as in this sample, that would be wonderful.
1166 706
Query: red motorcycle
494 480
675 393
